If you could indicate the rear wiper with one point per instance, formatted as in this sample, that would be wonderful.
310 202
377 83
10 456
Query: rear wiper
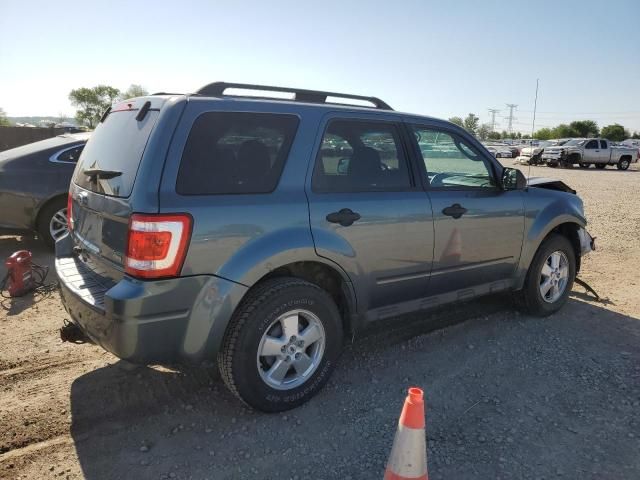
96 173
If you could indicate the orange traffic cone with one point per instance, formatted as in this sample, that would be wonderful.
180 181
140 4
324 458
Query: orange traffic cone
408 459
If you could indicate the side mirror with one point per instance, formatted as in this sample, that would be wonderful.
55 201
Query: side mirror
513 179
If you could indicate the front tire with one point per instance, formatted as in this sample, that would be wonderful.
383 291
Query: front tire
281 345
550 277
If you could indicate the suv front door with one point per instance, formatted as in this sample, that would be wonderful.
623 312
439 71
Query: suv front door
479 227
367 213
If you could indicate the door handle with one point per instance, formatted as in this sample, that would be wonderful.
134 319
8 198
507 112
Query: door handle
456 210
344 217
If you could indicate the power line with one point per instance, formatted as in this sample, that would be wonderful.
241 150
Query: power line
511 118
493 112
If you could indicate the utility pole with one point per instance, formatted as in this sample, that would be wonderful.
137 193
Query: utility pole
511 118
493 112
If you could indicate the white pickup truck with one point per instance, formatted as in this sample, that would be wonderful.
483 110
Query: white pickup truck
590 151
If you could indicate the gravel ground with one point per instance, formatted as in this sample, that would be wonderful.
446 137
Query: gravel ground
508 396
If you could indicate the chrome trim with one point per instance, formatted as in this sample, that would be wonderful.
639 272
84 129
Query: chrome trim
54 158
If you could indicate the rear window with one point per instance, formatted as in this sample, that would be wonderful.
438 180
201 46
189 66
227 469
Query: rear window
116 145
235 153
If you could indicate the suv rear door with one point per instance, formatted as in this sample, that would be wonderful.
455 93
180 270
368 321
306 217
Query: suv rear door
367 213
102 185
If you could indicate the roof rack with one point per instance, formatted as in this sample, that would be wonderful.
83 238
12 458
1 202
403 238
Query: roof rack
217 89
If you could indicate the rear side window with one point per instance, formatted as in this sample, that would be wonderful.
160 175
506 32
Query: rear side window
70 156
603 144
235 153
116 146
360 156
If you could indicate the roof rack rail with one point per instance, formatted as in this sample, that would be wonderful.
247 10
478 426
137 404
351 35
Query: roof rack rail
217 89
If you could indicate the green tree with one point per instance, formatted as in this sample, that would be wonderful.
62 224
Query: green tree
92 102
4 121
635 135
494 136
134 91
483 131
543 134
585 128
504 134
564 131
471 123
615 132
457 120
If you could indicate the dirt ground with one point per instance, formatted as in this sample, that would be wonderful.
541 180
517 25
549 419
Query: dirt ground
508 396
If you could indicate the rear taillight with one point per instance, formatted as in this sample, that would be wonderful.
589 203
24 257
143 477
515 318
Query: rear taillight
70 212
157 245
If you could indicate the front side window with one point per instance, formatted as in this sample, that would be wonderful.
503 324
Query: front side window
592 144
450 162
360 156
235 153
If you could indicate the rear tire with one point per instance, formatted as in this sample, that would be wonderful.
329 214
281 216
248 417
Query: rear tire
623 164
281 345
52 221
542 273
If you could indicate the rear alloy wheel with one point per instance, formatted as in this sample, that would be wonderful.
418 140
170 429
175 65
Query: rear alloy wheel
52 222
601 166
550 277
281 344
623 164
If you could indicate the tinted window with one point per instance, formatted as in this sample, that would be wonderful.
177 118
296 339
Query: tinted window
116 145
229 153
592 144
450 162
70 156
360 156
603 144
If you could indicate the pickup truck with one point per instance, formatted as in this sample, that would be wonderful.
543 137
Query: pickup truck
590 151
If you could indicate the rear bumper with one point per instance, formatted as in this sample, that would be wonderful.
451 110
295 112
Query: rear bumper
162 321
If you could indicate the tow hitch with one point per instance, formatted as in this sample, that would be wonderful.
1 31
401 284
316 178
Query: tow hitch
70 332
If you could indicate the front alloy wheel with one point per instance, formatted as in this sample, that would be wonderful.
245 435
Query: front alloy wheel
554 276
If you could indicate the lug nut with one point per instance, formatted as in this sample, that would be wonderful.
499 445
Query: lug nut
293 338
301 343
297 356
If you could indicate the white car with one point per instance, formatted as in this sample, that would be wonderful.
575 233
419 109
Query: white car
499 151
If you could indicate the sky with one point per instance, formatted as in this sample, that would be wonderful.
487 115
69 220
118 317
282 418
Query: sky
437 58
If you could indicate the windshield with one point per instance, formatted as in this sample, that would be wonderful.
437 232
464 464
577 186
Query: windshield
575 141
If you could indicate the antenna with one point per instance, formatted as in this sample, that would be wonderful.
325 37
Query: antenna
533 124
